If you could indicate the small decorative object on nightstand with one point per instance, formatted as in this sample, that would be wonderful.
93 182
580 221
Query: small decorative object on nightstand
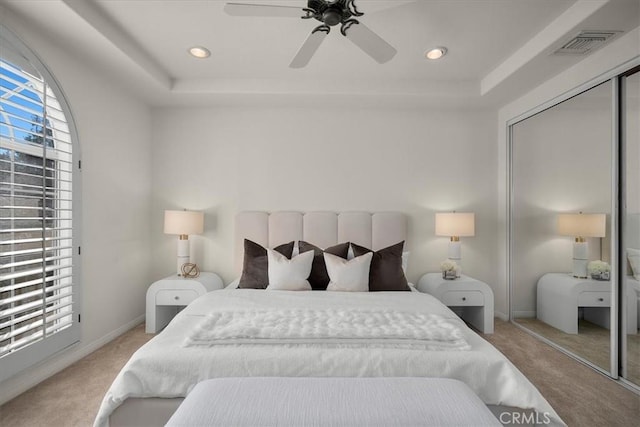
166 297
471 299
190 270
599 270
449 269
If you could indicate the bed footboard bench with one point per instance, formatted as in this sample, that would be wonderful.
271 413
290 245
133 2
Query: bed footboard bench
332 402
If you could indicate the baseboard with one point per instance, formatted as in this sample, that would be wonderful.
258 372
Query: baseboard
31 377
501 316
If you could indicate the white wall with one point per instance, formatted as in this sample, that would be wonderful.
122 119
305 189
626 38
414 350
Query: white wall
114 135
623 50
224 160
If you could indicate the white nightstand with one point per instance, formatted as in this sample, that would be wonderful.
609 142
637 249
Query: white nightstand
560 296
471 299
167 296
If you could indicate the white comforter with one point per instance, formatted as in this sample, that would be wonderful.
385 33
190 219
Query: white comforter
165 367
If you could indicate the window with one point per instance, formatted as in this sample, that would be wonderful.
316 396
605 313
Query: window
38 292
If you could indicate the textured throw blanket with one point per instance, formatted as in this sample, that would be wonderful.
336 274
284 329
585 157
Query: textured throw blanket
329 326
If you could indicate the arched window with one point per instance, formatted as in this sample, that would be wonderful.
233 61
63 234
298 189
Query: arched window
39 298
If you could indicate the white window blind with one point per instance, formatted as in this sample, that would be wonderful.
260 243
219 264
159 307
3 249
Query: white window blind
38 302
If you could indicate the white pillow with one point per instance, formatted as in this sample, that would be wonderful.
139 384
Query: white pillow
634 261
289 274
348 275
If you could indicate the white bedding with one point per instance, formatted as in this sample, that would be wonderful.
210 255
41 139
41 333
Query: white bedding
329 326
164 367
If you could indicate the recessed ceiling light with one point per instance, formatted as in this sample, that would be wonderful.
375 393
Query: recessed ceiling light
199 52
436 53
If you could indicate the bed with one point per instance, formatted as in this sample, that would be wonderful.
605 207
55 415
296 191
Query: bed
161 373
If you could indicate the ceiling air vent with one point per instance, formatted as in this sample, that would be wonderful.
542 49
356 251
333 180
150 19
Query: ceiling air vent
586 42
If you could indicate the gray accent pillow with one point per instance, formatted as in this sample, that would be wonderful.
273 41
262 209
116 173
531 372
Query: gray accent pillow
319 278
385 273
255 267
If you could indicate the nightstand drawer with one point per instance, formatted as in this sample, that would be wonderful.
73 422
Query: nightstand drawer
594 299
175 296
462 298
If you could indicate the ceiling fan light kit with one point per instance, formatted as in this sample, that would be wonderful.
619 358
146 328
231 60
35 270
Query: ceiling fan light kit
329 13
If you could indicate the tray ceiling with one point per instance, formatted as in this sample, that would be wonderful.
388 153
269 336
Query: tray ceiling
496 48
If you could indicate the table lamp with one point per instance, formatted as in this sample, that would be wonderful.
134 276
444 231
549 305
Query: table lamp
183 223
455 225
581 226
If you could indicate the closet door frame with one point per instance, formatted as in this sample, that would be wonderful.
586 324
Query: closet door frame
622 267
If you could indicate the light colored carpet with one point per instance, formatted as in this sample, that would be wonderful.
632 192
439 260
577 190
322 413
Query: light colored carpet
580 395
592 342
72 397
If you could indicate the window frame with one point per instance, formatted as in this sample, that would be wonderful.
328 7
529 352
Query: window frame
46 347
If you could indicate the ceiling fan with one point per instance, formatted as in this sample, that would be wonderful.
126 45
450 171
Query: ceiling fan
330 13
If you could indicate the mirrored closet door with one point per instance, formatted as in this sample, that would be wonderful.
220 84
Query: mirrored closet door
574 223
561 212
630 225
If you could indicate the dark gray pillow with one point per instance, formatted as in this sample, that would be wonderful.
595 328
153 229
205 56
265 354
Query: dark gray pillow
385 272
319 278
255 267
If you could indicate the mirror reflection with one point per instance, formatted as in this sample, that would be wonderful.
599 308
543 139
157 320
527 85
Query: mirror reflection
561 175
631 228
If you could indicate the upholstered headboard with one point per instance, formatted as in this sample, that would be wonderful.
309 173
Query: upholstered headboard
323 229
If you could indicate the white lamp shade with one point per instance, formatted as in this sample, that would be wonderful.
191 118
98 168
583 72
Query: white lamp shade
455 224
582 225
183 222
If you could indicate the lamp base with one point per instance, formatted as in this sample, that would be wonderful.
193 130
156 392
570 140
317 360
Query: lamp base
580 259
455 254
580 268
183 255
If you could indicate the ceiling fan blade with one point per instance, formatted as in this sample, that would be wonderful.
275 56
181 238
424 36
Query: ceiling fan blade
246 9
370 42
309 47
375 6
